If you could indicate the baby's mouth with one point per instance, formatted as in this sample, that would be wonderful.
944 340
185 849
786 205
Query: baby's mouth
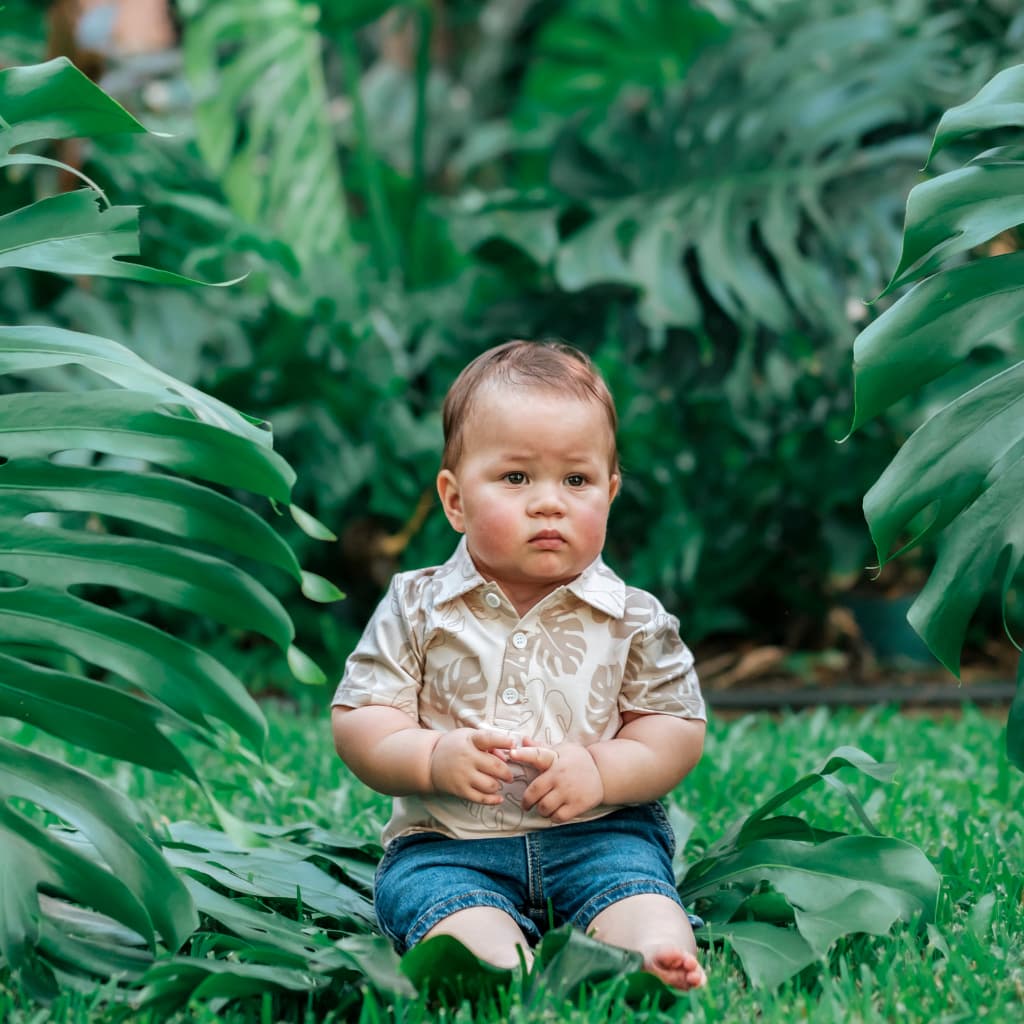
548 540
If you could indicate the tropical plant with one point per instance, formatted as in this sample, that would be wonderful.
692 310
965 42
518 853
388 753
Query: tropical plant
959 478
762 885
129 482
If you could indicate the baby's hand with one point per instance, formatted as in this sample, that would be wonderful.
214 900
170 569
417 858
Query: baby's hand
465 763
569 783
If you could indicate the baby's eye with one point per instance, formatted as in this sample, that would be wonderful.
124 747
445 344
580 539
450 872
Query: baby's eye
515 477
575 479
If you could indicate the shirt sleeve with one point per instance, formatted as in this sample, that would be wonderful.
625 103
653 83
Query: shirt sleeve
386 666
660 676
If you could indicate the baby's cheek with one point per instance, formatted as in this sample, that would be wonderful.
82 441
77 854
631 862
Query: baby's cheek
591 528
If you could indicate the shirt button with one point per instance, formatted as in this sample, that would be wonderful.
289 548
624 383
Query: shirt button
510 695
492 599
519 640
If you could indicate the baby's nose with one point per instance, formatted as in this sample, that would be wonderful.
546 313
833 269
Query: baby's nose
547 500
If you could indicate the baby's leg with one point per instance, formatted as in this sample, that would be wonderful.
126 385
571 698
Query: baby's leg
488 933
658 929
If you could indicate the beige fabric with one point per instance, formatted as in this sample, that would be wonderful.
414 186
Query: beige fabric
439 649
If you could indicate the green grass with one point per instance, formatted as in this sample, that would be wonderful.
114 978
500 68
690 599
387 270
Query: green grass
954 796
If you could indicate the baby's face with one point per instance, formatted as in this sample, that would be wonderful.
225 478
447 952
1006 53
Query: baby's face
532 488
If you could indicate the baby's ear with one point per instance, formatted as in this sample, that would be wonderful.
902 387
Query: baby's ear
614 483
451 499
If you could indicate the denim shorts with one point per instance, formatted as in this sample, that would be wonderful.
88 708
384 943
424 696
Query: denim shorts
546 878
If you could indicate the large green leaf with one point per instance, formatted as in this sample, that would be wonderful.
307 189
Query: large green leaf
816 878
986 540
70 234
356 858
138 425
26 348
56 101
133 884
178 980
947 463
187 579
259 65
955 212
353 14
599 48
760 824
932 328
169 504
92 715
959 479
273 873
74 939
262 948
256 923
781 892
90 900
279 869
35 160
188 681
998 104
35 859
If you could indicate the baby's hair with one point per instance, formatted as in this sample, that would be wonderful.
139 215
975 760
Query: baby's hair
551 365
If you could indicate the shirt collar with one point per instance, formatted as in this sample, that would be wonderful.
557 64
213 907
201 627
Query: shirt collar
597 585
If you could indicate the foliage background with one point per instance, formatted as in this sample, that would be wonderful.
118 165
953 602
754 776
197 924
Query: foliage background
699 194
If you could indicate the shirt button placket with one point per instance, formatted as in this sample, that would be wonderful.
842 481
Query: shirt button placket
516 662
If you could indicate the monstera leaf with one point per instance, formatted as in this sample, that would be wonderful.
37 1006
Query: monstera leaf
960 477
669 181
262 116
781 891
78 531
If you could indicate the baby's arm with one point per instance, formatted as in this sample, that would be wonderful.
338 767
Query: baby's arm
648 756
393 754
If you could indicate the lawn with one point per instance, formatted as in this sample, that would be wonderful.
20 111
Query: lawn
954 796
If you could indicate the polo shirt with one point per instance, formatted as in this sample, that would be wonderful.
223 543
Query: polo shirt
449 648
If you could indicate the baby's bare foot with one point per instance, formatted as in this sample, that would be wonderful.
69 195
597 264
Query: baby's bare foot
675 967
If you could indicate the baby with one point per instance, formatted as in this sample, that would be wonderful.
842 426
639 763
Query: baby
525 707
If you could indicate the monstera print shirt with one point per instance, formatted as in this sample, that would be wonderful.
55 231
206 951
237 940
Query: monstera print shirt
447 647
